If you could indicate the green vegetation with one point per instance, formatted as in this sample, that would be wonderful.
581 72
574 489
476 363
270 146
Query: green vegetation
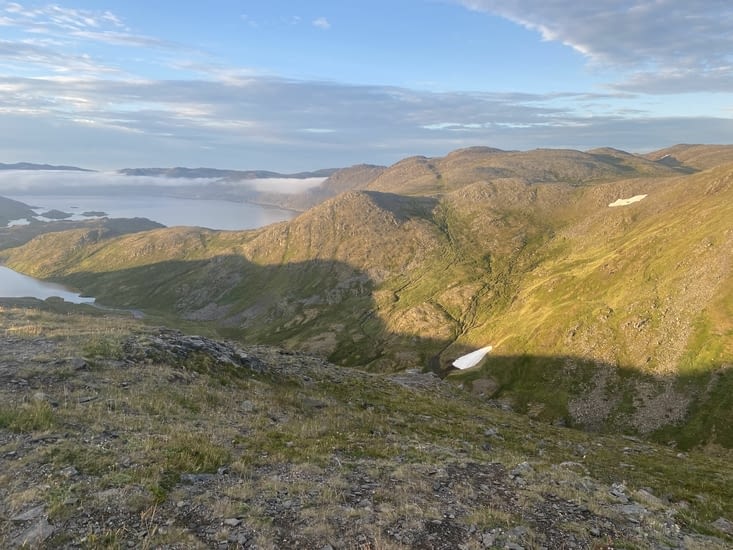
626 308
36 416
156 413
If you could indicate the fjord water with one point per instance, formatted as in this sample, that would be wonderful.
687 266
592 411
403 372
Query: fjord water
213 214
170 211
17 285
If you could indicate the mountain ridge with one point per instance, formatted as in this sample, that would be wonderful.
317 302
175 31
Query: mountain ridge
638 296
232 175
47 167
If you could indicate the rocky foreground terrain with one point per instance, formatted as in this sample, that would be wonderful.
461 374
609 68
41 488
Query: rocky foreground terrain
118 435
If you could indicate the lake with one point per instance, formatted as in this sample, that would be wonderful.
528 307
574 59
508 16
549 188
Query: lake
17 285
170 211
213 214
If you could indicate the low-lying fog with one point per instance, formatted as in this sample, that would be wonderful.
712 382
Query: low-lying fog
34 182
215 203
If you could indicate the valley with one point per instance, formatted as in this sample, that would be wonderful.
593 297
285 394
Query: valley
623 311
425 275
602 282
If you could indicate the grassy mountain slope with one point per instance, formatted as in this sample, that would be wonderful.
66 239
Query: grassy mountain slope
645 291
116 435
602 317
698 157
424 176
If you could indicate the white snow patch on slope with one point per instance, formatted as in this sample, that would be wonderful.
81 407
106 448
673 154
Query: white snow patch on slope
625 202
472 359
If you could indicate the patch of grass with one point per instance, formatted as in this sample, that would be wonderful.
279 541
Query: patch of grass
106 347
87 459
56 500
191 452
109 539
183 453
35 416
528 379
708 418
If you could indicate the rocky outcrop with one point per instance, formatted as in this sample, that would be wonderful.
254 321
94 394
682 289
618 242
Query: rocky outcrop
156 438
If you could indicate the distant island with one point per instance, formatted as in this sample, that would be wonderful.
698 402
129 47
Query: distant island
32 166
55 214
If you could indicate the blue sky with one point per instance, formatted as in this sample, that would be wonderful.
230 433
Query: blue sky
295 85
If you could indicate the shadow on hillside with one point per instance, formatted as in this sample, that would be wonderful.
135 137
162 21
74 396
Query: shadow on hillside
322 307
403 207
327 308
687 409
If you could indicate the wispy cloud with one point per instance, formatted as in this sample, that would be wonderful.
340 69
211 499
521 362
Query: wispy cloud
249 21
282 185
124 39
689 44
58 97
58 182
53 17
36 58
322 23
268 116
67 24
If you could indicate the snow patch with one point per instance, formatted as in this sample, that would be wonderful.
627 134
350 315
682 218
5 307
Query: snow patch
625 202
471 359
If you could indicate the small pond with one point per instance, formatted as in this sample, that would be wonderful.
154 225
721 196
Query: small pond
17 285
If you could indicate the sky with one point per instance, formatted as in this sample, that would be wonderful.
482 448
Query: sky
294 85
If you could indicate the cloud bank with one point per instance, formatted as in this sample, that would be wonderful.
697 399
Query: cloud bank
667 46
32 182
62 103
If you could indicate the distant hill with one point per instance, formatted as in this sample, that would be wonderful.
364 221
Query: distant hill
604 317
197 173
13 210
345 179
697 157
435 176
93 230
32 166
